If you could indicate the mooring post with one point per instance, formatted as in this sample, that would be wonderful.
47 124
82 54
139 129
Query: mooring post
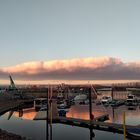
124 127
90 105
51 92
90 115
112 93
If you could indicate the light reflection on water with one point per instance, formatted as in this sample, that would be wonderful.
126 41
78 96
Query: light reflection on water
28 114
115 115
25 126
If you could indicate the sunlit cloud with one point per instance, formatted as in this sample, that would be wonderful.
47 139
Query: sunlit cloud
75 69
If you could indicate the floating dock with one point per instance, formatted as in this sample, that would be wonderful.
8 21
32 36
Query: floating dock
98 123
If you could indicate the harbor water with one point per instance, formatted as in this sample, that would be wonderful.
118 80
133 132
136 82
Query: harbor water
36 130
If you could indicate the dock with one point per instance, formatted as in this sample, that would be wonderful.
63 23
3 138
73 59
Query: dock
97 123
6 106
132 132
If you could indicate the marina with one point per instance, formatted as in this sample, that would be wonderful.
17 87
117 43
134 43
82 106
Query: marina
81 123
78 106
69 70
104 119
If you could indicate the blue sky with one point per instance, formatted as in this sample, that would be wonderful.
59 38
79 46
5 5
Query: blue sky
33 30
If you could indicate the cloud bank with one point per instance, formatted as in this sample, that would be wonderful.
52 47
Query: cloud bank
100 68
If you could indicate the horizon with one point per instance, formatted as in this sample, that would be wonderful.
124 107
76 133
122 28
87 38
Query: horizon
69 82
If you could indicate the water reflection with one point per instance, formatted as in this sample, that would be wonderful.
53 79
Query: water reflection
115 114
26 114
92 134
65 132
81 112
27 128
22 123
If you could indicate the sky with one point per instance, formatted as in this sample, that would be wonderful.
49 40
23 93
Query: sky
47 39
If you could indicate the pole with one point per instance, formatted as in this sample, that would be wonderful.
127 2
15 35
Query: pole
113 114
90 115
112 94
90 105
51 113
124 127
47 120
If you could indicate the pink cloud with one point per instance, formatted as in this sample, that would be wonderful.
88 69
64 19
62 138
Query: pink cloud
78 68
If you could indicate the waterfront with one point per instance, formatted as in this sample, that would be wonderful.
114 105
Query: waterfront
29 128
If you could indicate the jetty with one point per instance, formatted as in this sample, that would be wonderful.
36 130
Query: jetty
9 105
51 116
98 123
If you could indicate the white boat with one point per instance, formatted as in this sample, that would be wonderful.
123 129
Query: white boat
106 99
80 97
131 100
43 108
60 96
62 106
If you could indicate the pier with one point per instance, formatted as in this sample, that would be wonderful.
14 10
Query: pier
97 123
132 132
6 106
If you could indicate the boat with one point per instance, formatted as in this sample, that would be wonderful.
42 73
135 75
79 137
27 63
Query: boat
131 100
132 107
134 133
117 103
106 99
63 106
106 104
79 98
84 102
39 102
60 96
43 107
